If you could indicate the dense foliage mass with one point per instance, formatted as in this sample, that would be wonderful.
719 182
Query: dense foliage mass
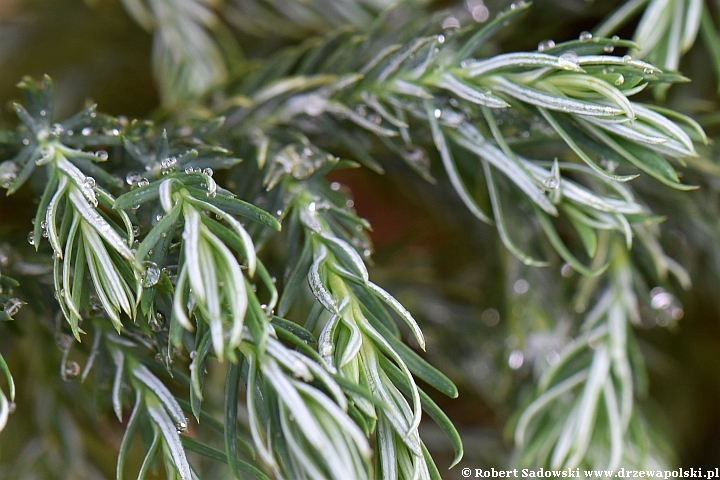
200 266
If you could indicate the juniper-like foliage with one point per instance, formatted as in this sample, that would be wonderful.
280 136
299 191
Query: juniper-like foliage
207 279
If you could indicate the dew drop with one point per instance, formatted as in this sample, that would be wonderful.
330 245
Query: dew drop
545 44
648 71
25 141
585 36
208 172
516 359
43 113
135 230
31 238
552 357
626 58
102 155
551 183
143 182
158 217
569 59
450 22
480 13
615 38
608 48
660 299
86 131
521 286
312 207
132 178
8 173
566 270
89 182
437 113
335 186
490 317
619 80
189 170
182 427
150 274
441 39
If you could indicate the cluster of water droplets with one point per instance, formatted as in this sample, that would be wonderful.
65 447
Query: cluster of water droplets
136 180
168 165
545 45
56 130
208 173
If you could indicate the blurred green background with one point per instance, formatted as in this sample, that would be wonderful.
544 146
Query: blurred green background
449 269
